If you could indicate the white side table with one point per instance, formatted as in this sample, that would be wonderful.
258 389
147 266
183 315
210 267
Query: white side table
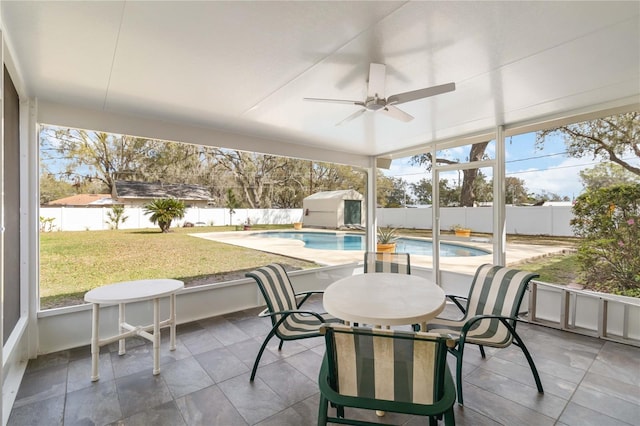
127 292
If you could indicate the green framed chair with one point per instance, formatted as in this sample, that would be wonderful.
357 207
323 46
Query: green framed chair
283 307
399 263
389 370
490 314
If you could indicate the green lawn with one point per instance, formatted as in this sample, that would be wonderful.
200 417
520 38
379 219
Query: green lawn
557 269
71 263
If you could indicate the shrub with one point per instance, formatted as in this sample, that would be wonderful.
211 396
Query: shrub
116 216
164 210
608 221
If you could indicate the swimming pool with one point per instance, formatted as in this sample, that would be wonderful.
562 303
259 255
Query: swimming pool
335 241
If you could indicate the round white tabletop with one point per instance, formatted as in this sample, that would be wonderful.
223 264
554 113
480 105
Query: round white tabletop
384 299
133 291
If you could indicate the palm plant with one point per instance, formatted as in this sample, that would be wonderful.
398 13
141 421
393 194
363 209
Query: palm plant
116 216
387 235
164 211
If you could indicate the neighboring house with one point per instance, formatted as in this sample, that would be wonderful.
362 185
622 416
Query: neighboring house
83 200
137 194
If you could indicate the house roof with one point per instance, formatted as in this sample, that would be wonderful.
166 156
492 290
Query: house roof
147 190
82 200
218 82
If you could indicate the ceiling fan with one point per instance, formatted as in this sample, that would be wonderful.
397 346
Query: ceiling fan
376 100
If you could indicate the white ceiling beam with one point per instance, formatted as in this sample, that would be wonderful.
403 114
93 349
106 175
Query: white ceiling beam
89 119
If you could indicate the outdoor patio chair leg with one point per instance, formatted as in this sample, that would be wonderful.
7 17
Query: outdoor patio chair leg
449 418
262 348
482 351
527 355
458 354
322 410
280 345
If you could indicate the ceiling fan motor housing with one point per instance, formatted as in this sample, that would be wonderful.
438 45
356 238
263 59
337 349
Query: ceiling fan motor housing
374 104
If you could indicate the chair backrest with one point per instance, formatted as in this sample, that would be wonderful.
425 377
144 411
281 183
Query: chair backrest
386 365
497 290
399 263
276 288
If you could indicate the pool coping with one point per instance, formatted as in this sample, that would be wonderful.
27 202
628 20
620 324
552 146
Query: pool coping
516 253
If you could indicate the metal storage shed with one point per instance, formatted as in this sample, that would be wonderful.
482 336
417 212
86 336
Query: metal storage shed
334 209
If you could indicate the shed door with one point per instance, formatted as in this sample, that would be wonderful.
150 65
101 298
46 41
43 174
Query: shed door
352 212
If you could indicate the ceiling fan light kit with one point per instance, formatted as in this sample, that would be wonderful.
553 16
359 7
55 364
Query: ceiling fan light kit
376 101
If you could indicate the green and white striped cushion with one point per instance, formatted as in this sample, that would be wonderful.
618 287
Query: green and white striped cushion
495 290
280 296
377 364
398 263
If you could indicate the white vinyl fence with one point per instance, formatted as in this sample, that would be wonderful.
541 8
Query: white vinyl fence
542 220
96 218
539 220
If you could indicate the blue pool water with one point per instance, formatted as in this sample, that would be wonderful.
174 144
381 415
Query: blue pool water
334 241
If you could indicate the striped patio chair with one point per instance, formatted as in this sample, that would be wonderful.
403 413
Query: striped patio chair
283 306
389 370
489 316
399 263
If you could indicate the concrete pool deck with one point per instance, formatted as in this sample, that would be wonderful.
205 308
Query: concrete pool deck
516 253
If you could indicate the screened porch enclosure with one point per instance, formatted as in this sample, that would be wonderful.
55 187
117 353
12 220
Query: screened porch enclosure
235 75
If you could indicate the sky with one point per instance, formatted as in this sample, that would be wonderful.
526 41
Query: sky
543 170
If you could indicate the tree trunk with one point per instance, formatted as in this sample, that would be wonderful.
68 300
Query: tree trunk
467 195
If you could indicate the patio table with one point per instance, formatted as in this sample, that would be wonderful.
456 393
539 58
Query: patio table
384 299
128 292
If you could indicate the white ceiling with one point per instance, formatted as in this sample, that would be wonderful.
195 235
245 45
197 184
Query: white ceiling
244 67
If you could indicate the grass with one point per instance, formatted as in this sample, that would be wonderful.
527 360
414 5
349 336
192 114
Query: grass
72 263
558 269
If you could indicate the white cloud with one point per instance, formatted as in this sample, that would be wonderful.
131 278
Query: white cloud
562 178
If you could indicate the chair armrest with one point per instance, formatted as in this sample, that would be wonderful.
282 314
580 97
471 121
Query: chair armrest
310 292
455 299
285 314
306 295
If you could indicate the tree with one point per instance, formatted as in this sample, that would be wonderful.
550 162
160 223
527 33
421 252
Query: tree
105 157
516 192
548 196
53 189
397 196
608 220
116 216
177 162
614 139
232 204
254 174
163 211
449 194
467 194
422 190
606 174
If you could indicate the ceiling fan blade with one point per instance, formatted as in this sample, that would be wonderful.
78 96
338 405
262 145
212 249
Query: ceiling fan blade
396 113
352 116
377 76
401 98
335 101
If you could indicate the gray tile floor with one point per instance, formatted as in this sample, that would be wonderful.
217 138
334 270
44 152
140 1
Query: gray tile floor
205 381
